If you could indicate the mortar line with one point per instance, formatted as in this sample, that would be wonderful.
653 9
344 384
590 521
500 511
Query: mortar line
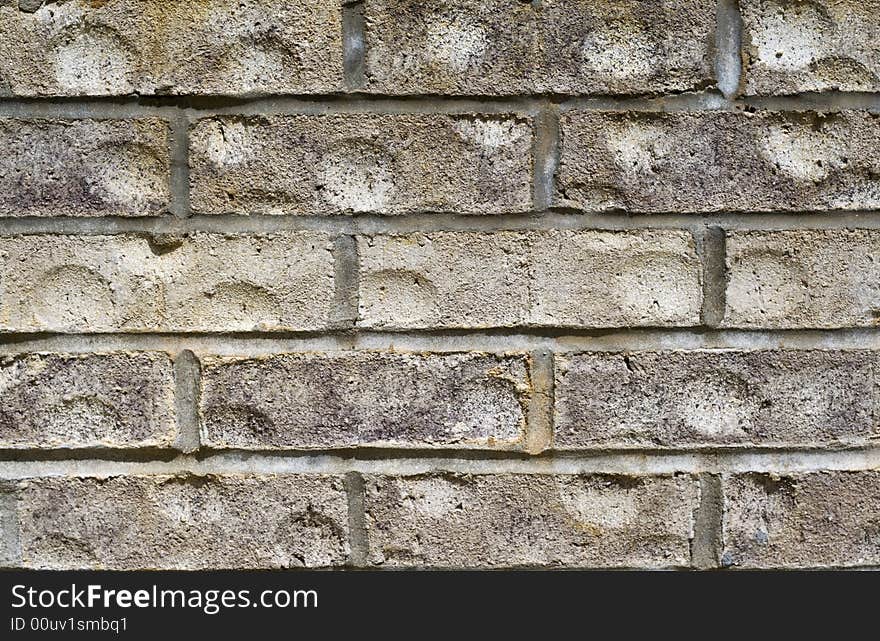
410 463
426 222
713 253
450 341
180 200
318 104
728 43
187 374
706 544
545 152
539 420
357 522
346 283
354 43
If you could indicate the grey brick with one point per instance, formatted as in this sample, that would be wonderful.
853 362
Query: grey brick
506 520
821 45
121 47
348 399
812 520
87 400
705 398
499 47
803 278
196 282
84 167
344 163
183 522
510 279
719 161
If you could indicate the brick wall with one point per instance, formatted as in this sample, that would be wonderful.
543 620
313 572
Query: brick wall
470 283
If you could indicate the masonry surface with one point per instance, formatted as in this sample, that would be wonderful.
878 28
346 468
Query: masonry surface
468 284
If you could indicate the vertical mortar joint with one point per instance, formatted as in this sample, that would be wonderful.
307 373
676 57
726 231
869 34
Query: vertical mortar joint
354 44
728 44
187 376
180 197
714 254
357 522
539 422
546 156
346 274
706 544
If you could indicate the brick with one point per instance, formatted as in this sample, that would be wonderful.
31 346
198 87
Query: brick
814 520
792 47
183 522
803 279
510 279
353 399
122 47
84 167
645 162
196 282
499 47
94 400
344 163
706 398
507 520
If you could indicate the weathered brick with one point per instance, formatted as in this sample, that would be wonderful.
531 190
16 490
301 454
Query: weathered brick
818 519
195 282
343 163
508 47
719 161
508 279
183 522
120 47
685 399
505 520
790 47
93 400
348 399
84 167
804 278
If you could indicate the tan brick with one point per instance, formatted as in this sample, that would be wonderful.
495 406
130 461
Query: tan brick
822 45
84 167
121 47
804 278
344 163
719 161
197 282
499 47
183 522
87 400
706 398
348 399
810 520
507 520
510 279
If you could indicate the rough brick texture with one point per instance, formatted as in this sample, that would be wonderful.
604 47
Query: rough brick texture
818 519
84 167
120 47
808 278
556 46
687 399
715 161
92 400
183 522
349 399
459 284
358 163
820 45
510 279
510 520
198 282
